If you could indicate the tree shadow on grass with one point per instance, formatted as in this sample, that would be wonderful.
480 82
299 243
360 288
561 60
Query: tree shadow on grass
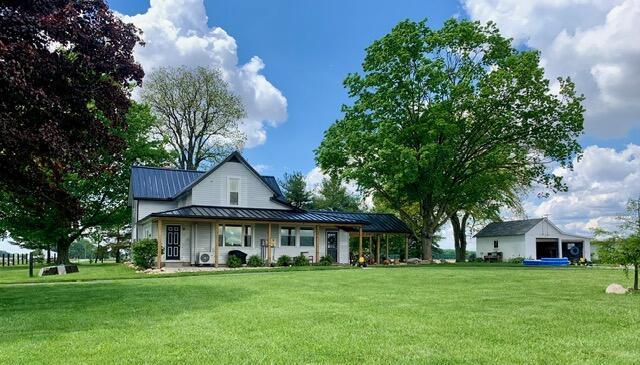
41 312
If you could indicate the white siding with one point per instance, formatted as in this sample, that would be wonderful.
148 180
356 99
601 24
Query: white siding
146 207
213 189
525 245
510 246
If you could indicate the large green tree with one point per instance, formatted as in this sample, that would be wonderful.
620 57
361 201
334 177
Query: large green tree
198 114
294 188
102 197
333 195
440 114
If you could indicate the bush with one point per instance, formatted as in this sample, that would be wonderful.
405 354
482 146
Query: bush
326 261
144 252
284 260
516 260
255 261
233 261
301 260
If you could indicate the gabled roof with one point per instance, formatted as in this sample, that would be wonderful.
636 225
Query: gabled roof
376 222
257 214
156 183
236 157
509 228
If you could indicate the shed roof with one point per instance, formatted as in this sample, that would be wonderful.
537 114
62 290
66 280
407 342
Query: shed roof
509 228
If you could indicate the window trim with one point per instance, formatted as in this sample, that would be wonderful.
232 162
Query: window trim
229 178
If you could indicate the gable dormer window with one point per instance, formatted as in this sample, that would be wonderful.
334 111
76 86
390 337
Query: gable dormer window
234 190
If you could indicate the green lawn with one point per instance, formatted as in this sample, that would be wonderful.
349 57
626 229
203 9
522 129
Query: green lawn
20 274
428 314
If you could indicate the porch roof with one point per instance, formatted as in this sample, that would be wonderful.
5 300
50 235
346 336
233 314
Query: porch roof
258 214
376 222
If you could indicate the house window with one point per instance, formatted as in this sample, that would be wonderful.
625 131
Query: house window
495 244
287 236
236 236
232 235
248 236
306 236
234 191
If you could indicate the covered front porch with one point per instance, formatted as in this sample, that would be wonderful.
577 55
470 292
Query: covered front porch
183 241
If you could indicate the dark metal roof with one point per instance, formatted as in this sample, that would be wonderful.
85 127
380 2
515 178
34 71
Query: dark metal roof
257 214
160 183
510 228
167 184
377 222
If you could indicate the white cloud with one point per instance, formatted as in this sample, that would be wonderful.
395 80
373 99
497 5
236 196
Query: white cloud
599 187
262 168
314 180
176 33
593 41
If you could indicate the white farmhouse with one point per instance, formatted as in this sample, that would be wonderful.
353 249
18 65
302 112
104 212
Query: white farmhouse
531 239
199 217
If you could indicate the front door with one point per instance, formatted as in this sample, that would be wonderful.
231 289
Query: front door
173 243
332 245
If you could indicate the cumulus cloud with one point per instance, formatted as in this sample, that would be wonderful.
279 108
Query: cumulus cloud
593 41
599 187
176 33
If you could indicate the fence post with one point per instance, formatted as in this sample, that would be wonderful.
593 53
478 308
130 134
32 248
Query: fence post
30 264
14 259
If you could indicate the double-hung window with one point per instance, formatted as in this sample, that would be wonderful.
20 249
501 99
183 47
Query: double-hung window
306 236
234 190
232 235
287 236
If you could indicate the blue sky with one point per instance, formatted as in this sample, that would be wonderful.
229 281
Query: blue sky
308 48
287 60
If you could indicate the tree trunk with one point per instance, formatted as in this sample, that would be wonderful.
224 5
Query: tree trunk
63 251
455 225
49 254
427 242
635 276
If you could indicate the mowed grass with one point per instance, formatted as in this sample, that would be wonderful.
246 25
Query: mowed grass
106 271
441 314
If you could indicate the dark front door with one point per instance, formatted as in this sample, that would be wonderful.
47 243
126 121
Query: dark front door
173 243
332 245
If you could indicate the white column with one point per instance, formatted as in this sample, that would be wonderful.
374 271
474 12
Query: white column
559 247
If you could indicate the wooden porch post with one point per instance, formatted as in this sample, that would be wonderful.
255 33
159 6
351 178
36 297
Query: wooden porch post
216 247
378 251
406 248
269 245
159 240
317 243
370 250
386 246
360 246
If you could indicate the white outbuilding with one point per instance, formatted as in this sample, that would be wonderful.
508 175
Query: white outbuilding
530 239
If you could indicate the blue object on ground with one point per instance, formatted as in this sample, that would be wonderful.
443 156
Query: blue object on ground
547 261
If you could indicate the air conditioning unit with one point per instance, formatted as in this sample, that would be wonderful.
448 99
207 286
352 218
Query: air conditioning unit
204 258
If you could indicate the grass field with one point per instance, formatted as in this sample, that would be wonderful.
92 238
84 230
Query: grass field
442 314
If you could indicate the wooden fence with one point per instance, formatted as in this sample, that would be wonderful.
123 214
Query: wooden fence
16 259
